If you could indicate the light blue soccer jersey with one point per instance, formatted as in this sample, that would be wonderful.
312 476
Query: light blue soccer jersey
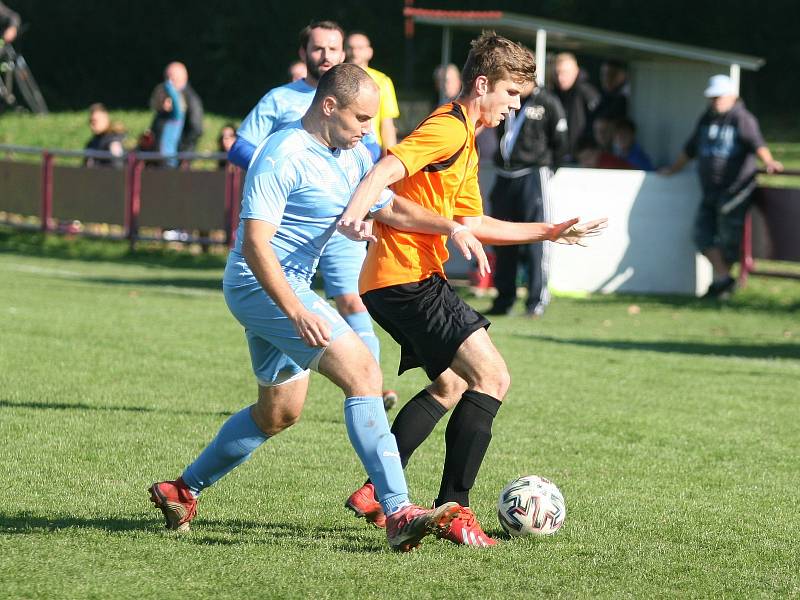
278 108
302 187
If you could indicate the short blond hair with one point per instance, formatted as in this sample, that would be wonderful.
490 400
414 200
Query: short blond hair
496 58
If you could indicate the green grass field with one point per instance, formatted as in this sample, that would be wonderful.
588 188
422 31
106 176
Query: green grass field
673 432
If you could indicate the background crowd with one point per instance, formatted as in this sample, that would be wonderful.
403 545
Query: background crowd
576 120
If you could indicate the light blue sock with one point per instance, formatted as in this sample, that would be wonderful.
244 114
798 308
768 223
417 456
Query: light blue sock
236 440
361 323
375 445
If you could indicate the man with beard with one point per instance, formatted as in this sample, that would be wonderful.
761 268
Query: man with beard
321 48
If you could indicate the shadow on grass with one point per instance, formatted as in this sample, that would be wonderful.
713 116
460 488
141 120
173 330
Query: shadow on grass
123 408
28 523
225 532
743 302
765 351
204 284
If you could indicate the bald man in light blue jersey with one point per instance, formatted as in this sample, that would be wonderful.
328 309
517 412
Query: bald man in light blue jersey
321 48
299 182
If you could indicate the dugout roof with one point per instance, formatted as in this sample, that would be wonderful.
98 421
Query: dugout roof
577 38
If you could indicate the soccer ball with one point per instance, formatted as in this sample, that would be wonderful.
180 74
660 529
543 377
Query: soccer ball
531 505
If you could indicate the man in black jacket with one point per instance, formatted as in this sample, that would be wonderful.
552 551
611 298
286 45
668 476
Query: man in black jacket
578 97
532 144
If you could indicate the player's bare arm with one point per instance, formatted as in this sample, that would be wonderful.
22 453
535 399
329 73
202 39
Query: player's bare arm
503 233
405 215
266 268
384 173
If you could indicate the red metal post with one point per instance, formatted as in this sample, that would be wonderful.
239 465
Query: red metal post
746 263
232 196
130 161
47 190
134 198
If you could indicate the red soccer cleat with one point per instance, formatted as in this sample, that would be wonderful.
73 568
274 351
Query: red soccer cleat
466 531
176 502
362 502
406 527
389 399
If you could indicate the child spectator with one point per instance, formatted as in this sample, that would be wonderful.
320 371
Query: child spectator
627 148
591 156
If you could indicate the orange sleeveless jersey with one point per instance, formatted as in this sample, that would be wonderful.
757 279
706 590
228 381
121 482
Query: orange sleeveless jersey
442 165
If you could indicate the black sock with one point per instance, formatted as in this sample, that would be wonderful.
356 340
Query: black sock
467 439
415 422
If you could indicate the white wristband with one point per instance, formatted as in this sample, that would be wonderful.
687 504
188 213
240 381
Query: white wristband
457 229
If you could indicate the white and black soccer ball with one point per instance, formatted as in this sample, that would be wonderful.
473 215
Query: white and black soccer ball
531 505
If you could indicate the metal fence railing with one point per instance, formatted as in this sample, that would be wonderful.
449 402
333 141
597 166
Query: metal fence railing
771 229
132 192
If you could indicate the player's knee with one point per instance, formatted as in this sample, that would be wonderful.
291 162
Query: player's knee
494 382
447 390
272 421
347 304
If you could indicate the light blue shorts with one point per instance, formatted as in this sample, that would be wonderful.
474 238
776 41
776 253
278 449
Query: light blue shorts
277 352
340 265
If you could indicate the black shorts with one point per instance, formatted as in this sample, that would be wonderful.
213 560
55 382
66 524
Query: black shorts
428 319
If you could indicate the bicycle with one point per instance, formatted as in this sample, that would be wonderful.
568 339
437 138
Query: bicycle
14 70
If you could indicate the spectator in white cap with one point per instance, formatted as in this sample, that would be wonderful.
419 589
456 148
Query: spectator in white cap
725 142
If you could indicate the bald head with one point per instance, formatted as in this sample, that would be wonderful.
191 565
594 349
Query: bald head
567 70
176 73
345 82
344 105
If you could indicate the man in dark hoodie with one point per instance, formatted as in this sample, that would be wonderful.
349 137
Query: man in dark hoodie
532 143
578 97
725 142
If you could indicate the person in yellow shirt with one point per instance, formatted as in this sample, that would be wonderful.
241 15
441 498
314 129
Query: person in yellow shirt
403 282
359 52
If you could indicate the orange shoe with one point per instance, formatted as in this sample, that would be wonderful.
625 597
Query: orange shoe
406 527
466 531
176 502
362 502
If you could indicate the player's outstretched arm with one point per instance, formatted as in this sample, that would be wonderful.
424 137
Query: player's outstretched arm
314 329
571 232
503 233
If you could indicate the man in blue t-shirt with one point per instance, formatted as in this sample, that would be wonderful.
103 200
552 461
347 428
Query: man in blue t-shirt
321 48
725 142
299 182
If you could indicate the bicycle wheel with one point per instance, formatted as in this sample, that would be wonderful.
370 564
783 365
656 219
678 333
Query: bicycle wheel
28 88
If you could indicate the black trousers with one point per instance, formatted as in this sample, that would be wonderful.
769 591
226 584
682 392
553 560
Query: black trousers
522 199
